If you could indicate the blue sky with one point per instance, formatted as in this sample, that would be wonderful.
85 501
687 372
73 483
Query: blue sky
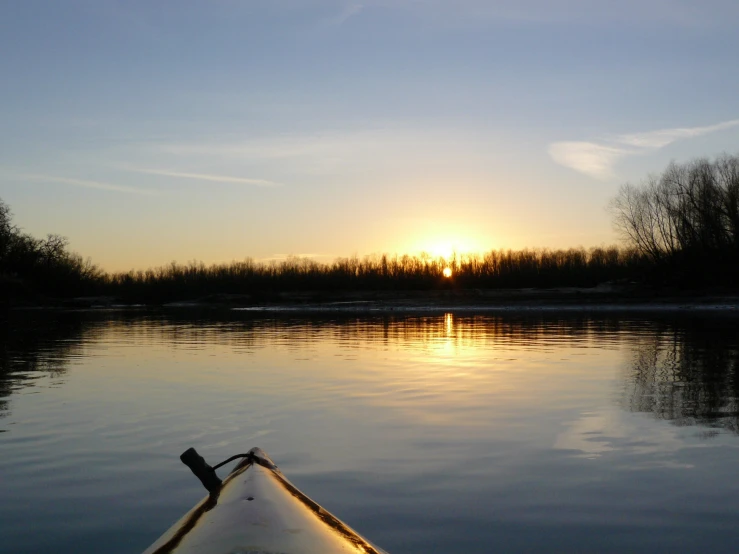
150 131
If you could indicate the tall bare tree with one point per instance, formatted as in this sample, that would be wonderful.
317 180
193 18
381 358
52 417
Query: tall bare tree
690 212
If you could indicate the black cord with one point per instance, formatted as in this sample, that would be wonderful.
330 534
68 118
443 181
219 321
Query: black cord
231 459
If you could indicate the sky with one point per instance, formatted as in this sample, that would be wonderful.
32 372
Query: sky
155 131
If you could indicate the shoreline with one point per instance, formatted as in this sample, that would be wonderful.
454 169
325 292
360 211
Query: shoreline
604 298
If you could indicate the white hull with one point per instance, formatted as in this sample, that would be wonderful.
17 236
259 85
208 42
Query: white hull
258 511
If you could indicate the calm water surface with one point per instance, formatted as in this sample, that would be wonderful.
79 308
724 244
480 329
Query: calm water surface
446 433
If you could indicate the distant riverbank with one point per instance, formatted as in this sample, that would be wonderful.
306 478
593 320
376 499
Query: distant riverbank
606 297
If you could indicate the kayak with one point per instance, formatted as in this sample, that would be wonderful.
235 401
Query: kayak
256 510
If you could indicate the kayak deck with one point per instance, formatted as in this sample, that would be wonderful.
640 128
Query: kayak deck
258 511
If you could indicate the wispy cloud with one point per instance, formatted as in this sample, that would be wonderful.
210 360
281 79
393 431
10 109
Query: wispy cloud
590 158
597 159
348 11
206 177
660 139
709 13
86 184
333 145
379 154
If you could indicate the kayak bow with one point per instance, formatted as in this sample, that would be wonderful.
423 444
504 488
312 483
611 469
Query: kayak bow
256 510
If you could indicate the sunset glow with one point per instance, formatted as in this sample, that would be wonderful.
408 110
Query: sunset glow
449 248
329 129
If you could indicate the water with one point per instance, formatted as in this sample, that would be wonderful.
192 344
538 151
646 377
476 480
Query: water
449 433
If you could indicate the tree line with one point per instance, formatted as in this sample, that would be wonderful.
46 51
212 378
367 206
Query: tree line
496 269
678 228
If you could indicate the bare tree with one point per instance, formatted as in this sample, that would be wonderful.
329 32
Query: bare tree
690 211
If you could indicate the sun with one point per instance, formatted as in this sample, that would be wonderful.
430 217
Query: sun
447 272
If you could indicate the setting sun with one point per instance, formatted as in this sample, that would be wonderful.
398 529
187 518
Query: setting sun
447 272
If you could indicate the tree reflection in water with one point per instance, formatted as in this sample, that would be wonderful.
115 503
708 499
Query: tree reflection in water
38 345
687 372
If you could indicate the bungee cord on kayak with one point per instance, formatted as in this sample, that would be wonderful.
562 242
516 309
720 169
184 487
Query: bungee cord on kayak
205 472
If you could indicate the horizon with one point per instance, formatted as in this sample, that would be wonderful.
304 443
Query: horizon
447 257
328 129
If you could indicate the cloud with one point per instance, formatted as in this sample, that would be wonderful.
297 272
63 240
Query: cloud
709 13
332 145
348 11
589 158
660 139
380 155
597 159
206 177
87 184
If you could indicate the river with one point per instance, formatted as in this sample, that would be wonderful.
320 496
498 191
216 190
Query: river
516 432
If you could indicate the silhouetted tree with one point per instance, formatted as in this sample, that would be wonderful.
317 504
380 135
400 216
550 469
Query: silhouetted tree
45 264
6 232
686 220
